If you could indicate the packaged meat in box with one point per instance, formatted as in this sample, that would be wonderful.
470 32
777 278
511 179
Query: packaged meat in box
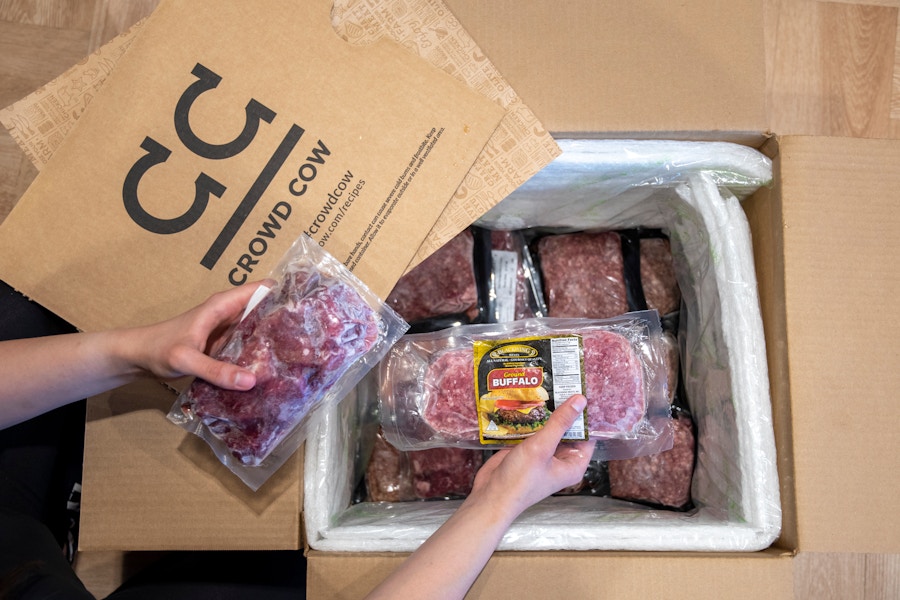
443 285
691 192
395 476
308 340
481 385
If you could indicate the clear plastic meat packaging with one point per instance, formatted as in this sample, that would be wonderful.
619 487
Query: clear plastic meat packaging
485 385
309 340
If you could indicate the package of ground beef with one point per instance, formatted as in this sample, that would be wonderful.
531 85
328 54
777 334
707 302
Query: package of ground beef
309 340
583 275
387 474
490 385
395 476
442 284
662 479
658 282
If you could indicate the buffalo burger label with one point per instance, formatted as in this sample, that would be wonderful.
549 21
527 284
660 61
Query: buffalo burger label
518 382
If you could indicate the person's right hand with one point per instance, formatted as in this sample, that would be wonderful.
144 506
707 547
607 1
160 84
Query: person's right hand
539 466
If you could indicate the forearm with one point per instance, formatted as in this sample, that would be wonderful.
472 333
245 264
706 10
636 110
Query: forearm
449 561
41 374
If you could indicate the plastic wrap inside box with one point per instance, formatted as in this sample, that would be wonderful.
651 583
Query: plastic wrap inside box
691 191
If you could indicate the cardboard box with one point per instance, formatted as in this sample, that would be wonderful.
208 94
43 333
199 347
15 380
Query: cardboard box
824 245
822 235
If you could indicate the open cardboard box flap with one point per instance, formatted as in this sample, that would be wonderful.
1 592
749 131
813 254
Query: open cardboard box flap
827 259
656 69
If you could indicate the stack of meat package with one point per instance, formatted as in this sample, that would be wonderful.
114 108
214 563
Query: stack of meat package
493 276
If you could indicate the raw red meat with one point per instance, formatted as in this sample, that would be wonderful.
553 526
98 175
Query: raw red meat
672 357
387 474
299 340
663 478
613 382
395 476
449 404
442 284
583 275
661 290
444 472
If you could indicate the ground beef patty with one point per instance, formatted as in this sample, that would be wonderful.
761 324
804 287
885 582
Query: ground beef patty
449 402
664 478
583 275
395 476
613 381
442 284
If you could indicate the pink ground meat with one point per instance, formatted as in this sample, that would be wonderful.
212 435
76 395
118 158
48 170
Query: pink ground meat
583 275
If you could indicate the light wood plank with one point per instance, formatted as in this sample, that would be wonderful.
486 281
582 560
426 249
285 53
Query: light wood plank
882 576
113 17
59 14
826 576
857 46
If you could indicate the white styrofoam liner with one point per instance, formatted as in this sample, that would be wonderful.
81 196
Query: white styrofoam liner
687 189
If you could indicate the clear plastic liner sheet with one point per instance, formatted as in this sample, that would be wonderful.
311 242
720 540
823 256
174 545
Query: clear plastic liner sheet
691 191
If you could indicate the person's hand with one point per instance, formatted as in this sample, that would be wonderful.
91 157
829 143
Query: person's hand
539 466
182 345
509 482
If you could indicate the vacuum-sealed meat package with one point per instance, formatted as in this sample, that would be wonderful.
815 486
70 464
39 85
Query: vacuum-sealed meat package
658 281
309 340
583 275
662 479
514 290
485 385
442 284
395 476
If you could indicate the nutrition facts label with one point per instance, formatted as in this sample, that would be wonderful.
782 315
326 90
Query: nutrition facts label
565 355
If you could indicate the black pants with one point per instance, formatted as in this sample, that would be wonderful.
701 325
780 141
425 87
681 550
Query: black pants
40 461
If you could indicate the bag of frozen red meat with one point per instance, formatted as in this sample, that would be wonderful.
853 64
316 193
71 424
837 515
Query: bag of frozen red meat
309 340
492 385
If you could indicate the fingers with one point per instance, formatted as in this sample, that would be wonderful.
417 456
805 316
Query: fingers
559 422
218 373
228 305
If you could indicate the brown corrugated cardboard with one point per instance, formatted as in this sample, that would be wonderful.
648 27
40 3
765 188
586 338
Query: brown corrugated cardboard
134 459
517 148
578 575
824 252
838 220
199 175
613 69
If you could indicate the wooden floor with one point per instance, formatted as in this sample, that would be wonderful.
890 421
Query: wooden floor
833 69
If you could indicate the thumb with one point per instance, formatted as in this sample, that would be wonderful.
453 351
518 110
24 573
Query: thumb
561 419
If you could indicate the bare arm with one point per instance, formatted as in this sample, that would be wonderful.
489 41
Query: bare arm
447 564
40 374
